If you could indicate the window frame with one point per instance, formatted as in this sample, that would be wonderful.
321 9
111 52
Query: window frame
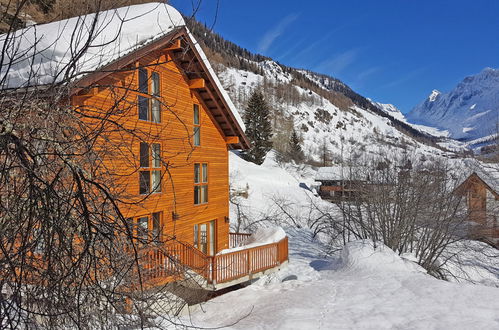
149 96
147 182
154 231
196 123
201 182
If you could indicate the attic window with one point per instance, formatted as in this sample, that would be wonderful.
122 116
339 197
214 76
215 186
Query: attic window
197 126
149 104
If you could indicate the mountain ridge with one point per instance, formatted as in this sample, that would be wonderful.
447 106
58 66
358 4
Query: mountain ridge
469 111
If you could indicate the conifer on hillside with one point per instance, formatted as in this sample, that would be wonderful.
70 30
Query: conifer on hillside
295 150
258 128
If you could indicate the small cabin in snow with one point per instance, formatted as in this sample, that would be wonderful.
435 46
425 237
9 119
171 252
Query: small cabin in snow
481 190
336 183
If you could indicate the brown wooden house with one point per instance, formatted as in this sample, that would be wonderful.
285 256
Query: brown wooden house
481 190
178 180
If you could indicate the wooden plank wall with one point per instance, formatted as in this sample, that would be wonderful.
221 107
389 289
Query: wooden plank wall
119 149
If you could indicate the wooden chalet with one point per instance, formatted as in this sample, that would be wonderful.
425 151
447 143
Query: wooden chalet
336 183
182 174
481 190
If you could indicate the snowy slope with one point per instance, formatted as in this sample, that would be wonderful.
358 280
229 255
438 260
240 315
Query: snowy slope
321 124
360 288
445 140
364 288
469 111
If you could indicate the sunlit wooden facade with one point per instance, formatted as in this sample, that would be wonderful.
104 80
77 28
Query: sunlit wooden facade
170 158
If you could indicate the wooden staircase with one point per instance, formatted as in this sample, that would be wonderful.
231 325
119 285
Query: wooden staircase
174 260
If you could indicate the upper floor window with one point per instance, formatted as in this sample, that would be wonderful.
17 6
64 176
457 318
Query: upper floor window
200 183
150 168
148 103
197 126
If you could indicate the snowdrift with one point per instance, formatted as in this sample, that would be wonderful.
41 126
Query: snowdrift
375 257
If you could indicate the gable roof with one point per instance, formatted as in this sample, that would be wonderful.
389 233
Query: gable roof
487 173
56 52
490 176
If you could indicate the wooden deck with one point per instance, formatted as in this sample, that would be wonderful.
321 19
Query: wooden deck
174 261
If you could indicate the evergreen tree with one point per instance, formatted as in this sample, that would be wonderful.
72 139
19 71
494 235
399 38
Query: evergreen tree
294 149
258 128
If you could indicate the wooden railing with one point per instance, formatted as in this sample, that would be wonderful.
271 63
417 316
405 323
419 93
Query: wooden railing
237 239
171 262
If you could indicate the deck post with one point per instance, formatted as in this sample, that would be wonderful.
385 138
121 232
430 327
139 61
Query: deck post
249 260
213 263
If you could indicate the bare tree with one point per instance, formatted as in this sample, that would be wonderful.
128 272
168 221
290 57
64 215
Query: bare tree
69 257
408 206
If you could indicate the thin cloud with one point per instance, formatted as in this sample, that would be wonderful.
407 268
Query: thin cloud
339 62
411 75
275 32
361 77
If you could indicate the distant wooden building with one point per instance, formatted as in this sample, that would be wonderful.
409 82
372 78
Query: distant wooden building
481 190
336 183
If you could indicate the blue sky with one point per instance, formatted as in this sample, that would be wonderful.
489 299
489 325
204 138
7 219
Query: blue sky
393 51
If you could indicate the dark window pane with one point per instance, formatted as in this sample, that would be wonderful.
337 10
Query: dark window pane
196 114
155 83
143 108
196 173
144 154
197 136
144 182
196 194
143 84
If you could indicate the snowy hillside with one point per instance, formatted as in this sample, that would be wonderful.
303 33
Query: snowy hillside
470 111
444 141
344 132
330 117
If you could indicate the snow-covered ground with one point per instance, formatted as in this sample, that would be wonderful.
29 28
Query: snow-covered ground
364 288
361 288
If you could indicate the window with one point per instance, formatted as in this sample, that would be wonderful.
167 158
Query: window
200 183
156 106
205 237
149 104
197 127
150 168
146 228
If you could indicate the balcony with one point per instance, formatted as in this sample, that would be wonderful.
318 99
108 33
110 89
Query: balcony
179 261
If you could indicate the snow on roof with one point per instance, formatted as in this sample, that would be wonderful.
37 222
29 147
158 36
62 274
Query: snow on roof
487 172
331 173
490 175
44 54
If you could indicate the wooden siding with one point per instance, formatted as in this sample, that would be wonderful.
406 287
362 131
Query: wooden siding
120 149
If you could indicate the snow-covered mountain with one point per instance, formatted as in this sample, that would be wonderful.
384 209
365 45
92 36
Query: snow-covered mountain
328 115
470 111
